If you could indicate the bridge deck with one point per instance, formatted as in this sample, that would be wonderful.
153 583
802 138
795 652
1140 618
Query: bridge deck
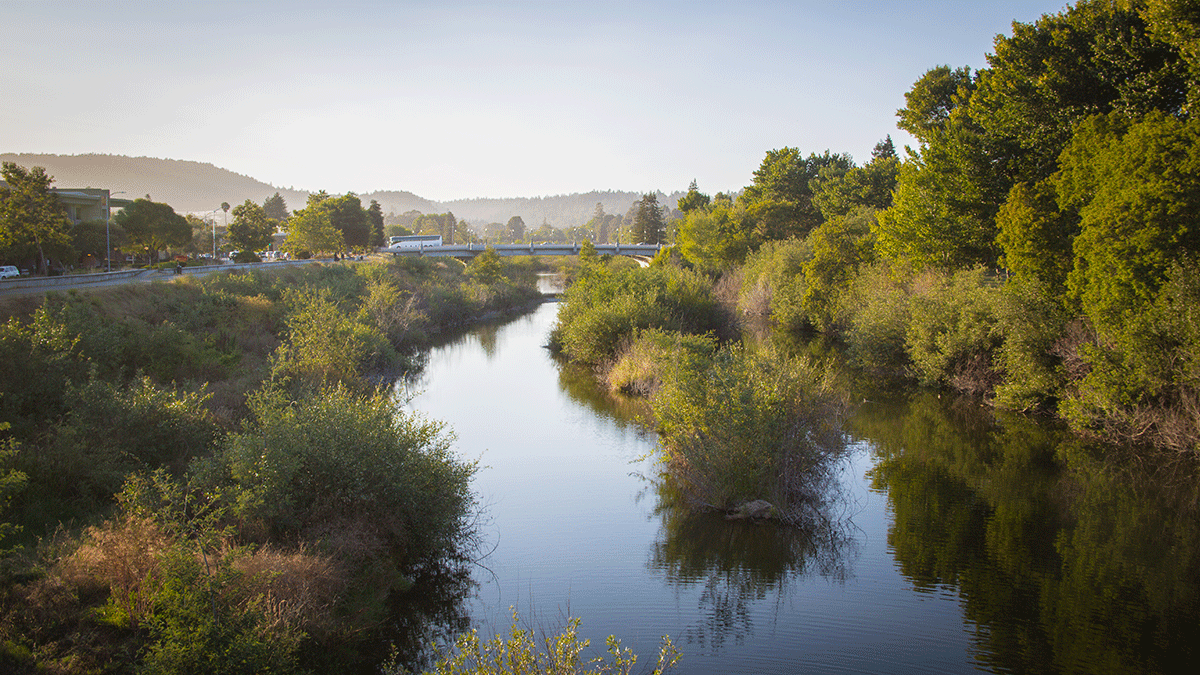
472 250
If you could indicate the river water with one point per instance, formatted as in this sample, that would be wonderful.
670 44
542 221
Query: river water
958 542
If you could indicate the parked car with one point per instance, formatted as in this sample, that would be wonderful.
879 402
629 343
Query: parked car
7 271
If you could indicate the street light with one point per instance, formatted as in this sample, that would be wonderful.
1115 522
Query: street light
107 227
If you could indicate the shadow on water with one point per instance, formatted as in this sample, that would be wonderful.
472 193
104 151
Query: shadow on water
1068 557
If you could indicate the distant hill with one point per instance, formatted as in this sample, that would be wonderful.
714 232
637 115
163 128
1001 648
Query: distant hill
186 186
198 187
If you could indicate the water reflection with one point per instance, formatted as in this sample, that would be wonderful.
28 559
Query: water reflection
740 562
1068 558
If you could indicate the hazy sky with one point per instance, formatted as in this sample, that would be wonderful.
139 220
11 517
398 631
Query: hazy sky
454 99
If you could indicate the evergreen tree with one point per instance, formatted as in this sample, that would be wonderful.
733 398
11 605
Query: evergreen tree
274 207
375 220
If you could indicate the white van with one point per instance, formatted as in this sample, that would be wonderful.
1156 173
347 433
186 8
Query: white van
7 271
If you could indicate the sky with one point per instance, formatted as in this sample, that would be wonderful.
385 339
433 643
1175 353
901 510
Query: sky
457 100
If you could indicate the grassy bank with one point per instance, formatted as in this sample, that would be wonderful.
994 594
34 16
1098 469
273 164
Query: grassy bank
204 477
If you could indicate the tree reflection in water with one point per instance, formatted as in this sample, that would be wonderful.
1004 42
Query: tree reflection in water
1068 557
741 562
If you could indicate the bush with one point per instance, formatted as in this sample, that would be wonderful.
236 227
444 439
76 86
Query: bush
952 331
774 285
746 425
342 460
877 305
604 308
520 654
639 367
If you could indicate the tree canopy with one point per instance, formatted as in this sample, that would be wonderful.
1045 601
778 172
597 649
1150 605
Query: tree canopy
151 227
32 221
251 229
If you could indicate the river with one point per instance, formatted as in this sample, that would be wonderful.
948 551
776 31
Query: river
959 542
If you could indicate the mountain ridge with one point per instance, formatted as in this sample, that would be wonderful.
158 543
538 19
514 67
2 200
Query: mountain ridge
199 187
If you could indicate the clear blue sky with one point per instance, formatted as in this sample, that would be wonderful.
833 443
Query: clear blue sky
455 99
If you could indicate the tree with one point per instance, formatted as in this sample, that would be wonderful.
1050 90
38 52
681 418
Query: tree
152 227
310 230
649 226
1137 193
348 217
694 199
375 221
933 99
516 227
251 229
780 199
715 238
31 218
276 208
486 267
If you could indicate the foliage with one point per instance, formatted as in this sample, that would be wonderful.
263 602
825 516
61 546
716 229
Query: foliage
520 654
839 247
780 201
326 344
1035 235
251 229
640 364
12 482
952 331
1137 194
877 306
311 230
1032 321
275 208
715 238
486 267
340 460
773 283
744 425
32 220
603 309
649 225
151 227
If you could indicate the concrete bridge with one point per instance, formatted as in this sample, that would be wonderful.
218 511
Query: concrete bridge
639 251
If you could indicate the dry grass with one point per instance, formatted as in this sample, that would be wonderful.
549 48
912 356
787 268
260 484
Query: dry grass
124 556
297 588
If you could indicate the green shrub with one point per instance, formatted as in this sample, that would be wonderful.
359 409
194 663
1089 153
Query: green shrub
519 653
952 331
326 344
605 307
744 425
877 307
1032 321
774 285
640 365
342 460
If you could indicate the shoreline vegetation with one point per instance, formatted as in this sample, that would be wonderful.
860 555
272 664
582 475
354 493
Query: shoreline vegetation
208 475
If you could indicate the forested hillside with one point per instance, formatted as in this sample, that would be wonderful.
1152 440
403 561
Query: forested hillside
198 187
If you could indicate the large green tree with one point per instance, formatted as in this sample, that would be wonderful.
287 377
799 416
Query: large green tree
516 228
32 220
251 229
780 198
1138 195
715 237
151 227
348 217
310 230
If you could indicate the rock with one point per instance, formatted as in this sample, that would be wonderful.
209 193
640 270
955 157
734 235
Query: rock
758 510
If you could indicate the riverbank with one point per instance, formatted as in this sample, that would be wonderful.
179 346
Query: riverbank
222 444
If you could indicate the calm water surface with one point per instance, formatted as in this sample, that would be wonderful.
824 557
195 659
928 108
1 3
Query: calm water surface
958 542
